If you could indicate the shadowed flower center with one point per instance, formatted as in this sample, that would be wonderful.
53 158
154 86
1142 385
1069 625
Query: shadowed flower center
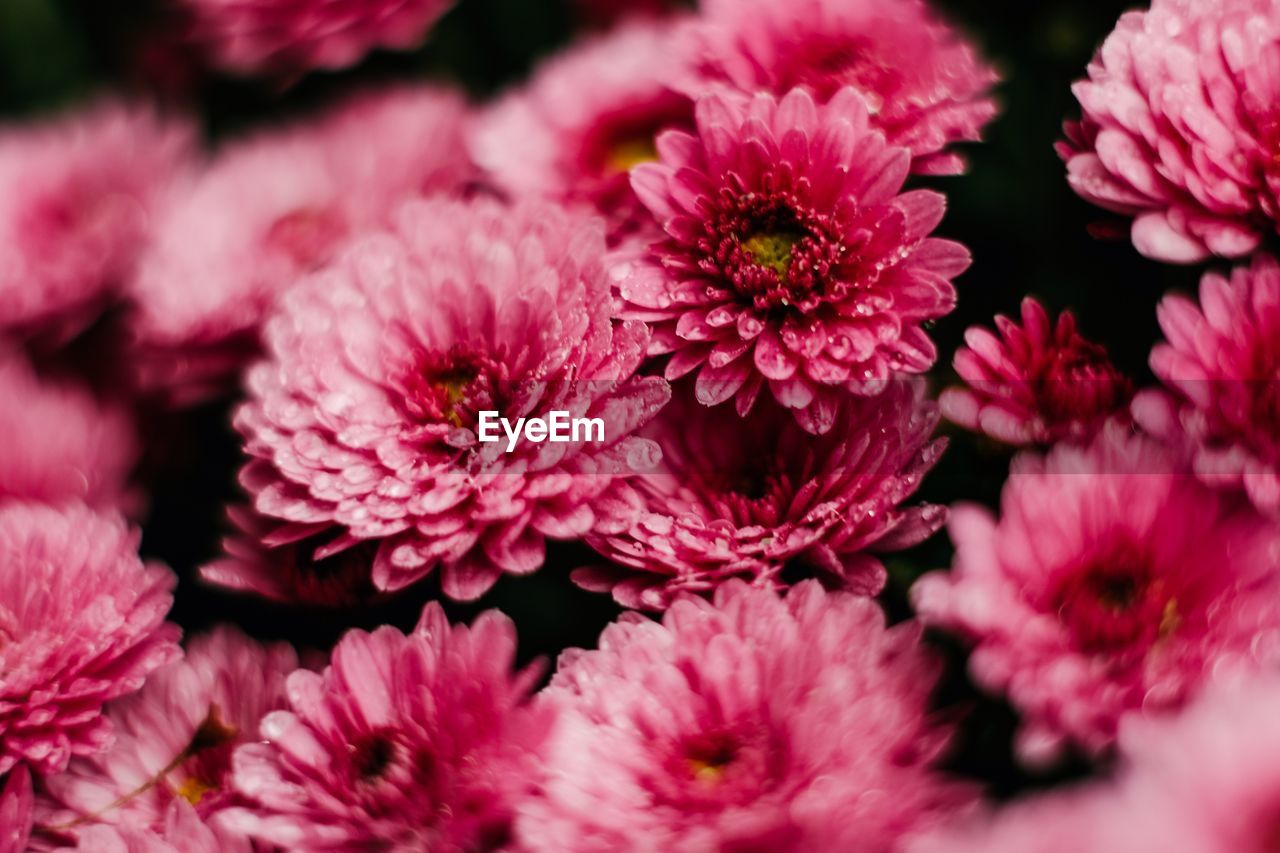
626 154
1111 608
711 769
307 235
372 756
1078 382
452 388
754 494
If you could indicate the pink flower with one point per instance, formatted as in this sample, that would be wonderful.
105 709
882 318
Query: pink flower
81 623
791 255
607 12
1037 383
271 208
1221 366
925 86
76 194
60 445
731 502
17 808
182 832
575 131
418 742
751 723
174 738
290 37
1114 583
1181 127
366 416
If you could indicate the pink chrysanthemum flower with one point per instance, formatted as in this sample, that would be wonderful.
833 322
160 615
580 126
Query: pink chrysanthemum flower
366 417
291 37
1222 368
926 87
1115 582
1036 383
574 132
1181 128
17 810
731 502
174 738
81 623
751 723
76 196
418 742
59 445
269 209
182 832
791 255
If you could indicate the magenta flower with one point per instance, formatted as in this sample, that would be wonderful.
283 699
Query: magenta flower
60 445
791 255
17 810
82 622
418 742
925 86
290 37
181 832
574 132
1221 365
1179 127
1037 383
751 723
270 208
366 417
76 196
731 502
1114 583
174 738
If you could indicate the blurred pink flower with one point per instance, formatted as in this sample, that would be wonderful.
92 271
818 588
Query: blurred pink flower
271 208
81 623
1181 128
791 256
290 37
365 417
1221 366
1037 383
731 502
418 742
574 132
607 12
182 832
751 723
17 809
925 86
174 737
76 196
59 444
1115 582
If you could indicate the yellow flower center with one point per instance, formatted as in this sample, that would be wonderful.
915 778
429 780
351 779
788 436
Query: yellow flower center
193 790
629 153
772 250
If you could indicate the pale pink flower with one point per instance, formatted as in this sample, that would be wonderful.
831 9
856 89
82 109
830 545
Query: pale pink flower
751 723
267 210
1037 383
1221 366
757 501
1181 128
792 257
77 194
17 810
182 832
290 37
1114 583
926 86
174 737
418 742
81 623
365 418
573 133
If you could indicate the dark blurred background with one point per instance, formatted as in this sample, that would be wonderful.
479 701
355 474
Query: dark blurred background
1026 230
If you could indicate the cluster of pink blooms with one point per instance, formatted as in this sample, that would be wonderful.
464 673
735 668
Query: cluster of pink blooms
715 234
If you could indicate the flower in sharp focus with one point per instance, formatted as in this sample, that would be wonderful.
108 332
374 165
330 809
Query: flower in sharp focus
791 257
82 622
418 742
760 503
366 416
1114 583
269 209
1037 383
174 738
926 87
1221 366
1181 127
574 132
756 722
